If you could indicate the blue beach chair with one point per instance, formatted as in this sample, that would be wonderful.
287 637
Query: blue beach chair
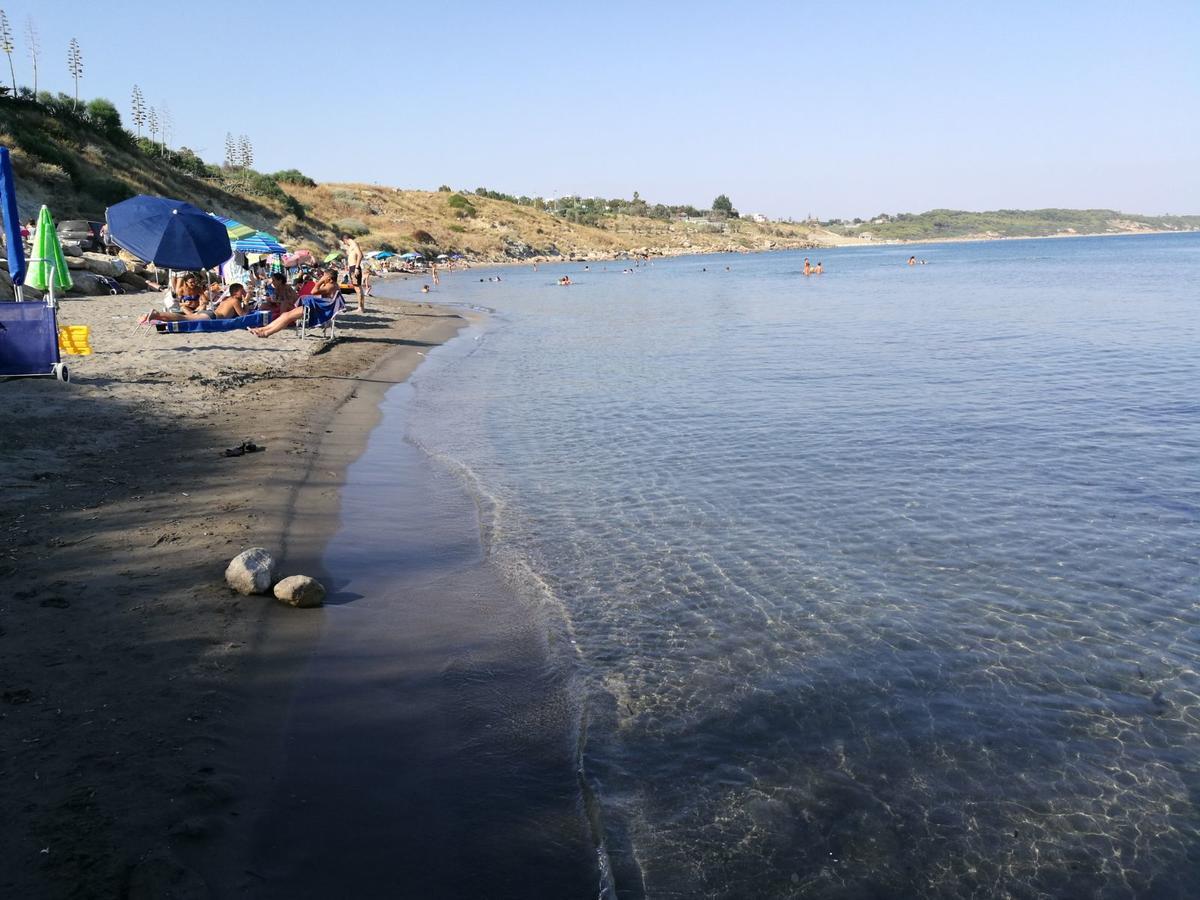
320 313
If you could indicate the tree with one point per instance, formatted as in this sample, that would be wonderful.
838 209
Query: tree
230 150
245 152
6 44
34 47
723 204
137 105
75 66
152 124
104 115
167 124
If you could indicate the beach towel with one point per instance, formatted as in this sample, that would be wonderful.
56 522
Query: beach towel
201 326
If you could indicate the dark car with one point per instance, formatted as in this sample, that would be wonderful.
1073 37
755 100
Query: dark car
85 234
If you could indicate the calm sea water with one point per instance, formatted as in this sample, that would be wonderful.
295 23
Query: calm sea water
878 583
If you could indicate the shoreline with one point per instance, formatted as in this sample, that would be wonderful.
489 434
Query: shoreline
126 658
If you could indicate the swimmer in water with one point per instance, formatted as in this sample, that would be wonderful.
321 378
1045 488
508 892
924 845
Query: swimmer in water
565 281
820 269
912 260
424 289
807 266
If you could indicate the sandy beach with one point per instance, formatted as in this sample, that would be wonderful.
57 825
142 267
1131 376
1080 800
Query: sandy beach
129 672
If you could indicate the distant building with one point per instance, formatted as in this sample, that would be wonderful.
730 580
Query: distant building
759 218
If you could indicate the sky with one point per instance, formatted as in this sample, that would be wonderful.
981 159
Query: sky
835 109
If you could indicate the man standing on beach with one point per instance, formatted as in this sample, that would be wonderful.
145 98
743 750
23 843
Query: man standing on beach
354 259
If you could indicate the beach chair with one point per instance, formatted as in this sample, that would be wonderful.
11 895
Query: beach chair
321 313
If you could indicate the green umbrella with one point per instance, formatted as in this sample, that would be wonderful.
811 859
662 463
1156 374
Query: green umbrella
47 252
330 257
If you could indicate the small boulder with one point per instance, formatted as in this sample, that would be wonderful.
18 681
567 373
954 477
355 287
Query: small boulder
133 280
108 266
251 572
301 591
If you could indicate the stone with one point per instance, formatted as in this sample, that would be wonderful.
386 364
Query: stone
301 591
75 262
88 283
133 280
251 572
109 266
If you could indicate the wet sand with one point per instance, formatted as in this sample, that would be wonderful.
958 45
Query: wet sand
131 679
431 748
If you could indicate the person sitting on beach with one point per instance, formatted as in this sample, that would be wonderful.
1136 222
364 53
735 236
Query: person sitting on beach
231 307
326 288
285 298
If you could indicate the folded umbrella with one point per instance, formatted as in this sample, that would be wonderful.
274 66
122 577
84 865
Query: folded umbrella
168 233
47 266
12 222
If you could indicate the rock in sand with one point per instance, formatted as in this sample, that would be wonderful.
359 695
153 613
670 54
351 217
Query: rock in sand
301 591
251 572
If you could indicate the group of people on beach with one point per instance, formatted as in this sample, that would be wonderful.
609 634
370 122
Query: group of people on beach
187 298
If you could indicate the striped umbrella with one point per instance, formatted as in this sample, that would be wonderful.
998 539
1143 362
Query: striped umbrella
259 242
235 228
47 266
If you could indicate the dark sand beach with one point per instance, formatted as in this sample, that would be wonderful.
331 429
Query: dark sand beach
132 680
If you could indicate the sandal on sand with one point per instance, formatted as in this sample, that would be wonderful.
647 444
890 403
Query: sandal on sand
244 448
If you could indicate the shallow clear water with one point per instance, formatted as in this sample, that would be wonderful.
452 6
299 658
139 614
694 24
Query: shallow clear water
882 582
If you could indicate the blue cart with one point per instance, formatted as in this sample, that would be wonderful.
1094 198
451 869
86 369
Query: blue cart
29 340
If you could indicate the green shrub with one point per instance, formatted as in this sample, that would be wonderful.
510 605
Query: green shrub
423 237
104 116
457 229
445 189
352 227
388 246
463 208
294 176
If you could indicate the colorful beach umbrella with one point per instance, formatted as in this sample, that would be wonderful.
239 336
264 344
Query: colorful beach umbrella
259 242
168 233
410 255
330 257
384 254
12 222
235 228
47 267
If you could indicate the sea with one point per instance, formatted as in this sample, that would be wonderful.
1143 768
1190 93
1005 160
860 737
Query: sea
883 582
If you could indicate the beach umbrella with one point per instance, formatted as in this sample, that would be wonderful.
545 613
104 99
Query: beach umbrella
259 242
330 257
384 254
47 266
410 255
12 223
168 233
442 256
235 228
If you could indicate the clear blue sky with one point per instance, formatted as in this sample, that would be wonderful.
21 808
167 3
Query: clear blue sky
835 109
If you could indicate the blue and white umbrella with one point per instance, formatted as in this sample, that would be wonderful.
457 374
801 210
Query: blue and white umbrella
259 242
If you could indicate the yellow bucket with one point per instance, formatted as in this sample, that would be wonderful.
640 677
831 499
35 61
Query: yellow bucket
73 340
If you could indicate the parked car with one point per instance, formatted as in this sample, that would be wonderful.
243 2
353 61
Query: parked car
85 234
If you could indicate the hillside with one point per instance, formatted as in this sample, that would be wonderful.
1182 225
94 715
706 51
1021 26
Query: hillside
944 224
79 163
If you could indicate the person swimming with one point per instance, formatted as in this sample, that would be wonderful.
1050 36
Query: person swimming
565 281
912 260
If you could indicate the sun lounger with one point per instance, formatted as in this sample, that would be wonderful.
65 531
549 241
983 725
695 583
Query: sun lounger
321 313
202 326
